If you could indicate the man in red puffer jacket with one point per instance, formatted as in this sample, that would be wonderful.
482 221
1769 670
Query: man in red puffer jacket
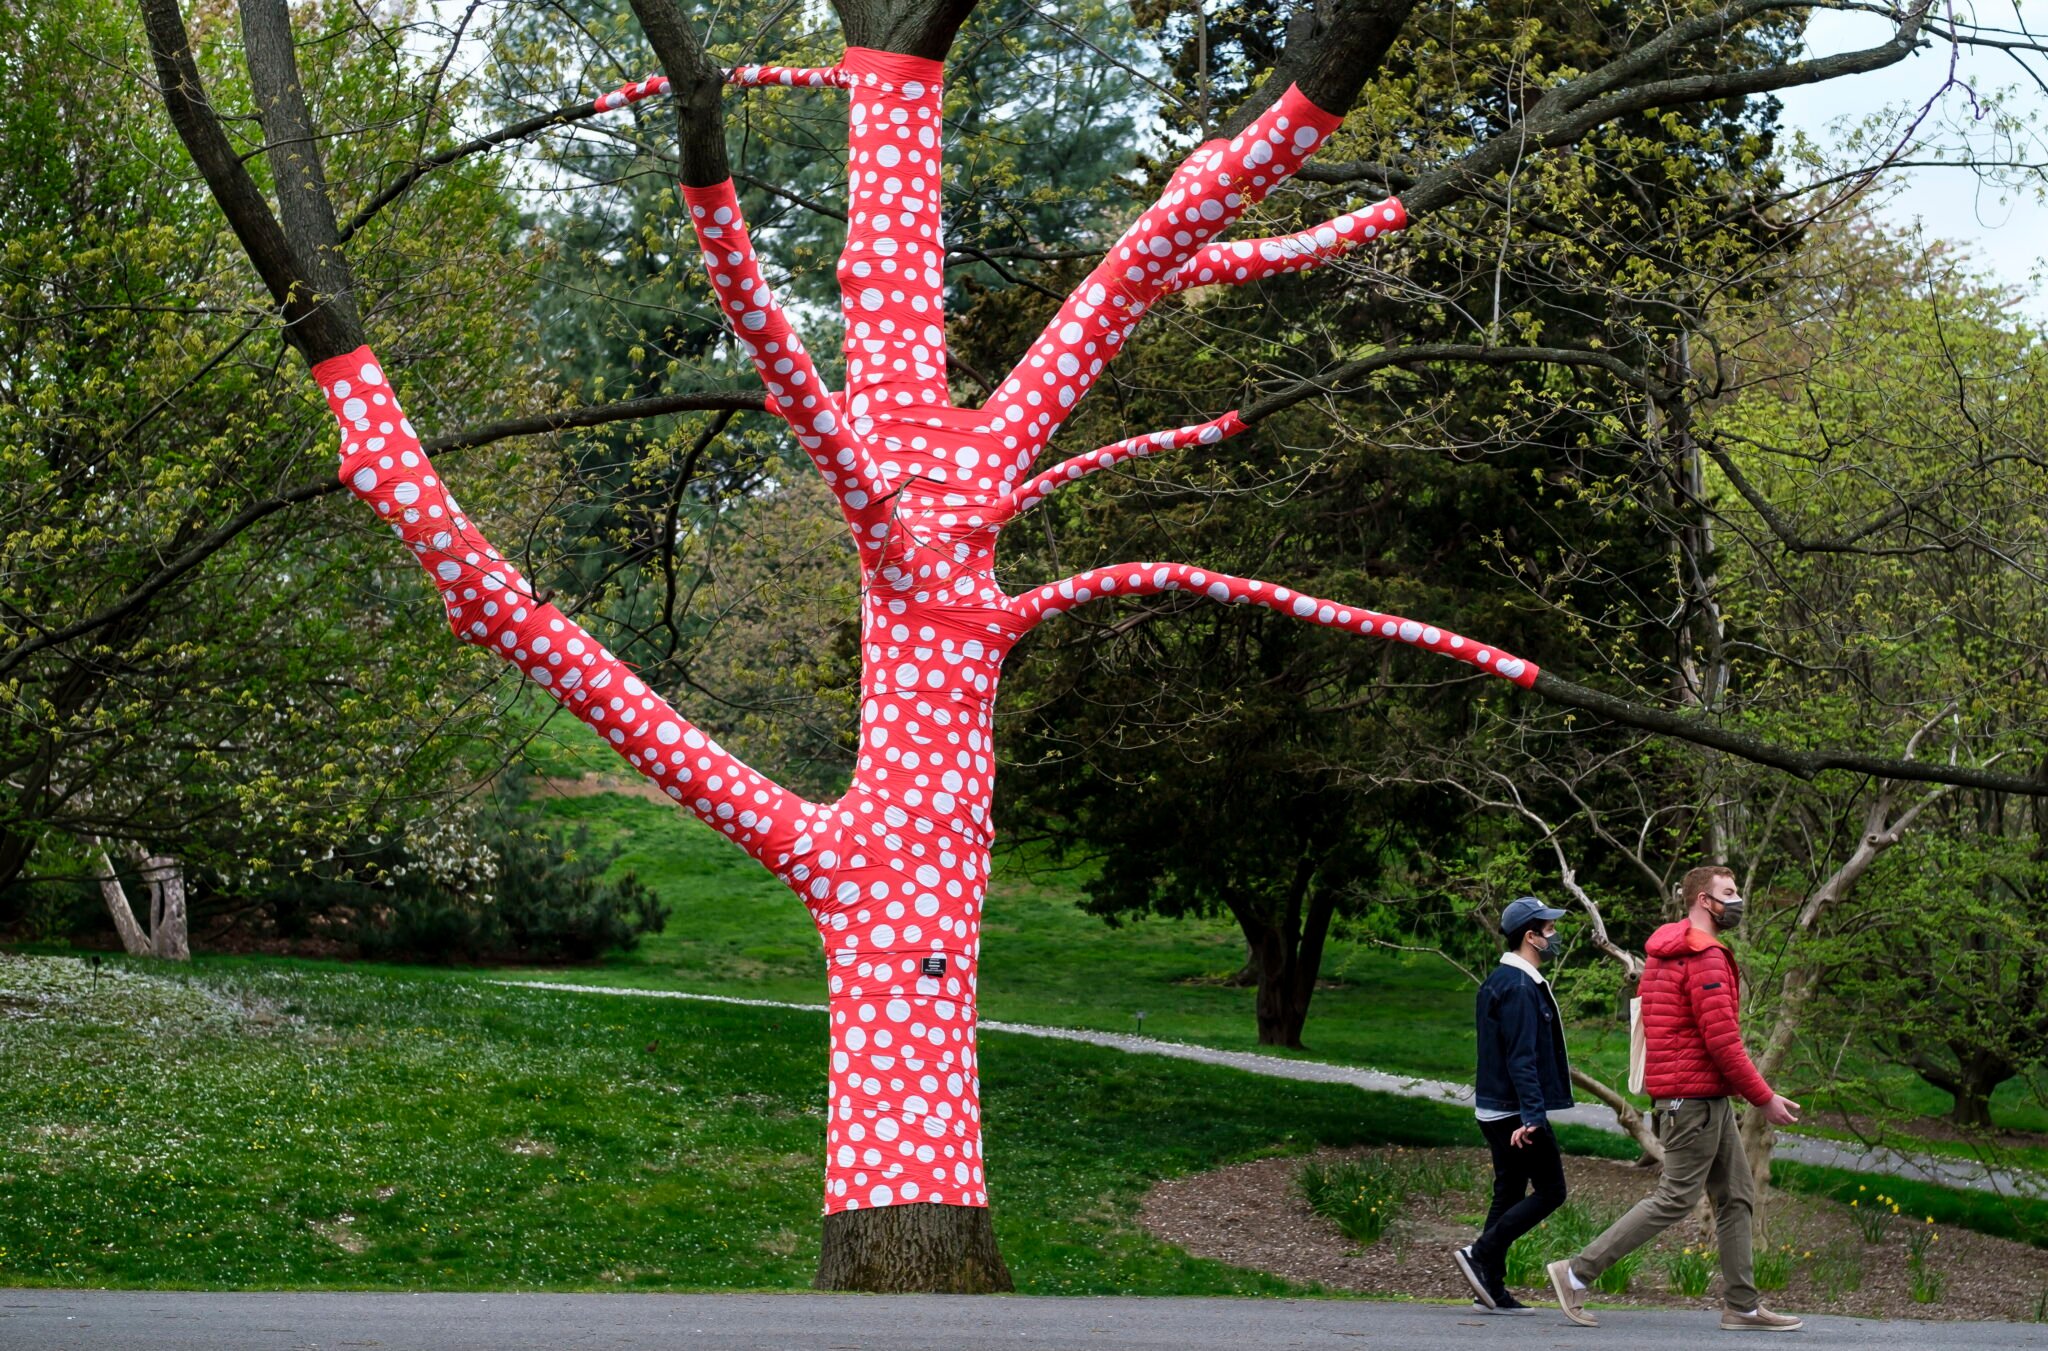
1695 1061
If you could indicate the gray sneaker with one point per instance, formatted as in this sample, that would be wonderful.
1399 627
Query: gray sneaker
1763 1320
1570 1300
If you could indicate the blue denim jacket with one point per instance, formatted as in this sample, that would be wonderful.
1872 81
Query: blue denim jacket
1522 1065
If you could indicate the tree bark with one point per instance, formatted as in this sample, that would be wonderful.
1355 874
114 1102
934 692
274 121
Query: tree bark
1278 1004
165 877
1625 1115
292 144
1978 1075
1288 955
922 28
1332 49
916 1249
133 941
697 85
319 331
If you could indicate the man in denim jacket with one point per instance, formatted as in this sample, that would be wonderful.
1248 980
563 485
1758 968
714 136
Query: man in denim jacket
1523 1076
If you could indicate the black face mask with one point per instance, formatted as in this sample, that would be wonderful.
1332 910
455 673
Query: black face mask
1730 916
1542 942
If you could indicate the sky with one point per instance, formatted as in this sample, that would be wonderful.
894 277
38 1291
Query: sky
2005 229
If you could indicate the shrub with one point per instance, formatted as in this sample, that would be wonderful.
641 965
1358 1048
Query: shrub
493 884
1360 1196
1618 1278
1433 1173
1563 1233
1774 1267
1874 1215
1838 1271
1691 1271
1928 1284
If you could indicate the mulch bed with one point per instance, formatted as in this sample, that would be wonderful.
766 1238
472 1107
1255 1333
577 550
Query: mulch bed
1253 1215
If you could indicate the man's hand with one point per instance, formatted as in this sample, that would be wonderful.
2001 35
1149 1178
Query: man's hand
1782 1111
1523 1135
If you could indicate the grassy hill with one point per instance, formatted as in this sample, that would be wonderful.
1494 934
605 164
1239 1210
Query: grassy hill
734 930
255 1123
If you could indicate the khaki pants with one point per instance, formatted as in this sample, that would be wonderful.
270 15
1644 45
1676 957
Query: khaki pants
1702 1149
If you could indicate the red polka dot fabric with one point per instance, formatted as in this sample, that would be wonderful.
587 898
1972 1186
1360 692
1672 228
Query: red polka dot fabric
1147 579
895 872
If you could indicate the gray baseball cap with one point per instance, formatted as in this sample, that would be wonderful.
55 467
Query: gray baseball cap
1524 911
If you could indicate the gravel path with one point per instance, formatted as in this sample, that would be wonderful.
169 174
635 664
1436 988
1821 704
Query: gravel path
1936 1168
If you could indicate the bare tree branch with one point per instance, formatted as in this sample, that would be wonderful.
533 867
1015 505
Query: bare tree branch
1574 109
316 329
1702 731
420 168
1336 381
697 84
172 569
1333 47
292 144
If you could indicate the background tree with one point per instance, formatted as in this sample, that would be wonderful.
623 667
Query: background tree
197 655
1867 460
1497 490
1950 975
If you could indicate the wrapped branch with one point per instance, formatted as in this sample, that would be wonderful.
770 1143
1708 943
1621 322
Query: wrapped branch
1022 499
1210 190
491 606
1248 260
1147 579
795 393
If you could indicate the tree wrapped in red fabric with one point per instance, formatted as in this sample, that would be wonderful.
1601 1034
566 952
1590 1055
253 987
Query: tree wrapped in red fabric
894 872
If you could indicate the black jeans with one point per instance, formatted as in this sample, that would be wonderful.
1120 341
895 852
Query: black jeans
1528 1183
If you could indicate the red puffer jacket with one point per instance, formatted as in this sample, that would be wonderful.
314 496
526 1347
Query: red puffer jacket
1692 1028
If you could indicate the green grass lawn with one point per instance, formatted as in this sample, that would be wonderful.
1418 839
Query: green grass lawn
734 930
378 1129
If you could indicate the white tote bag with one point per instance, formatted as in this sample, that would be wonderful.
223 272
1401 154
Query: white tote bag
1638 1046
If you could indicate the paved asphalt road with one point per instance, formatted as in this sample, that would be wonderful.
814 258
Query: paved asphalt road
153 1320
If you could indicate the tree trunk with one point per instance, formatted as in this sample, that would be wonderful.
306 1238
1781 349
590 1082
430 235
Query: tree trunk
133 941
1288 955
1280 1005
1972 1110
166 879
912 1249
1881 830
1759 1138
1978 1075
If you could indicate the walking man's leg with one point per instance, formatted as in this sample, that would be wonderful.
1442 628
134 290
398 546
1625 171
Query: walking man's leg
1732 1188
1510 1183
1538 1189
1689 1153
1510 1178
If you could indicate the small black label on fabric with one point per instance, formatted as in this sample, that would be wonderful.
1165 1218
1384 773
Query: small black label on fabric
935 966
